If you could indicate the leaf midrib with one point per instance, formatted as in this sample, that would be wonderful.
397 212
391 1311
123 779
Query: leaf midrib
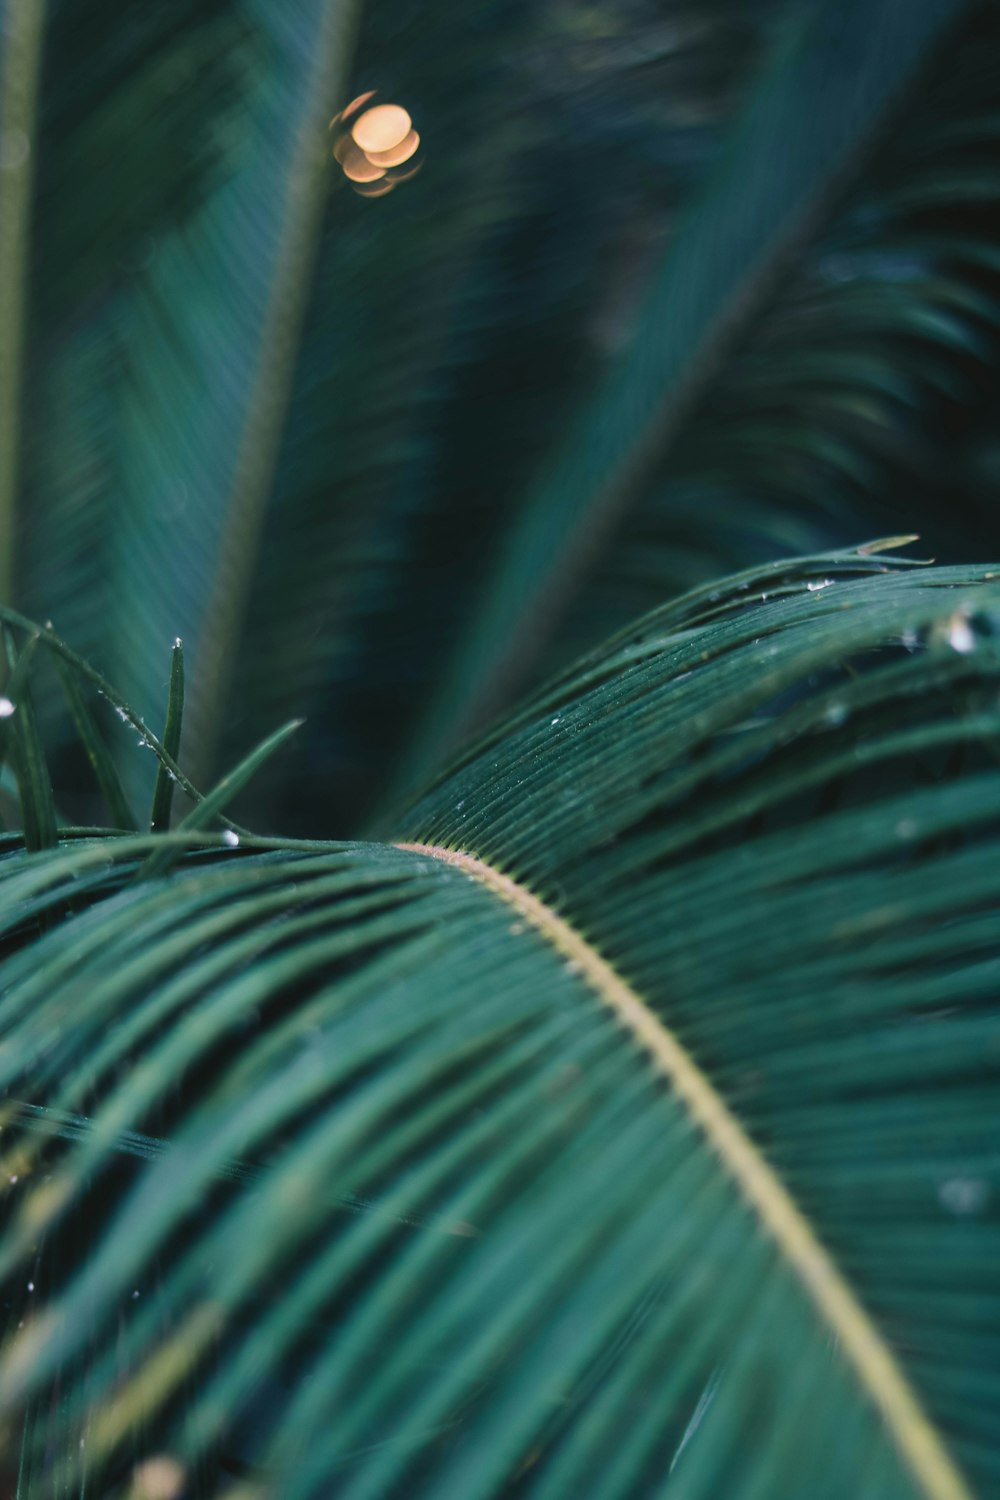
918 1442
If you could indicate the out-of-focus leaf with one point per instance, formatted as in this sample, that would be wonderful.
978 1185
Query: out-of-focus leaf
815 109
34 786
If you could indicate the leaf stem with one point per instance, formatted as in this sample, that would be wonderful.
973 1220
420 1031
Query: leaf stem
21 25
257 457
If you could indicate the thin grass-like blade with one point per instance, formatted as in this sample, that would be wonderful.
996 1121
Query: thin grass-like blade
103 764
217 800
163 787
34 786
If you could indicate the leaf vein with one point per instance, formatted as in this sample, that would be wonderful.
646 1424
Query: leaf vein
917 1440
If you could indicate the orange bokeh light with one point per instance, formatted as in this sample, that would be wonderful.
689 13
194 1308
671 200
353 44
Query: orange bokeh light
375 189
396 155
356 104
382 127
375 145
355 163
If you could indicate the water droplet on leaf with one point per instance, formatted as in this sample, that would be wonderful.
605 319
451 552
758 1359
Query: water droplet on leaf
960 635
964 1195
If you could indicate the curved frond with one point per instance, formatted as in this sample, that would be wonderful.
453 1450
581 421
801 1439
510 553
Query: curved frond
314 475
814 112
633 1133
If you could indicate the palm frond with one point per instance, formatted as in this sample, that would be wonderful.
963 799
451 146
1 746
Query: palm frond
462 343
865 388
130 140
814 113
122 509
200 346
437 339
629 1123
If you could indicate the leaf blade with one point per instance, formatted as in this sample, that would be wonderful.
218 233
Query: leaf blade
773 179
163 787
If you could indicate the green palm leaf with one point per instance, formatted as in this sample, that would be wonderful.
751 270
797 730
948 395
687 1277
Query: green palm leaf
189 356
626 1128
815 111
327 441
135 421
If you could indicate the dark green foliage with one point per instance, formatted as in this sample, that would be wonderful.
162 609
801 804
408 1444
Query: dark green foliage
843 68
627 1127
320 504
327 1171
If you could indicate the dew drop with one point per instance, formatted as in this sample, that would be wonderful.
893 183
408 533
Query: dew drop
231 838
556 720
816 585
6 708
960 636
835 714
964 1195
463 1229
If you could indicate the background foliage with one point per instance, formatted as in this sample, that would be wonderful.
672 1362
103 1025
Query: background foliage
328 1168
521 403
